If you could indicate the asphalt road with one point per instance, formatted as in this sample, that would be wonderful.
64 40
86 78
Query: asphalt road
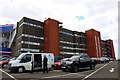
107 71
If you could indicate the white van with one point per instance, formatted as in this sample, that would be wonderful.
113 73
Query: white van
31 61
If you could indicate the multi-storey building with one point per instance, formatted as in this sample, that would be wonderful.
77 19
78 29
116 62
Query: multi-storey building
72 42
29 36
62 41
107 48
50 36
104 47
94 43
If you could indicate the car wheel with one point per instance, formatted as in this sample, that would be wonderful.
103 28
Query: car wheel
5 65
20 69
92 67
75 69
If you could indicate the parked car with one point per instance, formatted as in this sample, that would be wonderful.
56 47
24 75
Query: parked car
118 59
4 62
5 56
104 60
57 62
111 59
74 63
97 60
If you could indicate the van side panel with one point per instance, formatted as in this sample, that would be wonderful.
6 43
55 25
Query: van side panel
50 58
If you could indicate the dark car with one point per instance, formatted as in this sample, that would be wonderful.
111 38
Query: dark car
76 62
97 60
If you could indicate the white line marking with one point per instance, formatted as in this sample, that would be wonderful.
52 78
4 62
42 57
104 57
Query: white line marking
20 73
112 70
79 74
63 75
58 76
57 71
8 74
94 72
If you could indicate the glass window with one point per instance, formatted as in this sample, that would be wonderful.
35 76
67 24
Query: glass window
74 58
26 58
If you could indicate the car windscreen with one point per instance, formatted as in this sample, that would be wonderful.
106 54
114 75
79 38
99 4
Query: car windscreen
74 58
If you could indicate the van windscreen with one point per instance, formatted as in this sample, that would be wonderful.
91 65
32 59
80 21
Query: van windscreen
20 57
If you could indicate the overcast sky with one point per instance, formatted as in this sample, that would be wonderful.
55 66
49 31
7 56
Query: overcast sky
79 15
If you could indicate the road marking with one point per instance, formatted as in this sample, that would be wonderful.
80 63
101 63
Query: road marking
8 74
112 70
94 72
63 75
57 76
20 74
79 74
57 70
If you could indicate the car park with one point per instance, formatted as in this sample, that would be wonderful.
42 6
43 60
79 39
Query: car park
76 62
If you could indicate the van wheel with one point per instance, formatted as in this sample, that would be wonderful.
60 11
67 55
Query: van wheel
21 69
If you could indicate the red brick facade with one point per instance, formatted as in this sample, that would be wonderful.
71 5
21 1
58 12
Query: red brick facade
51 36
93 43
110 42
